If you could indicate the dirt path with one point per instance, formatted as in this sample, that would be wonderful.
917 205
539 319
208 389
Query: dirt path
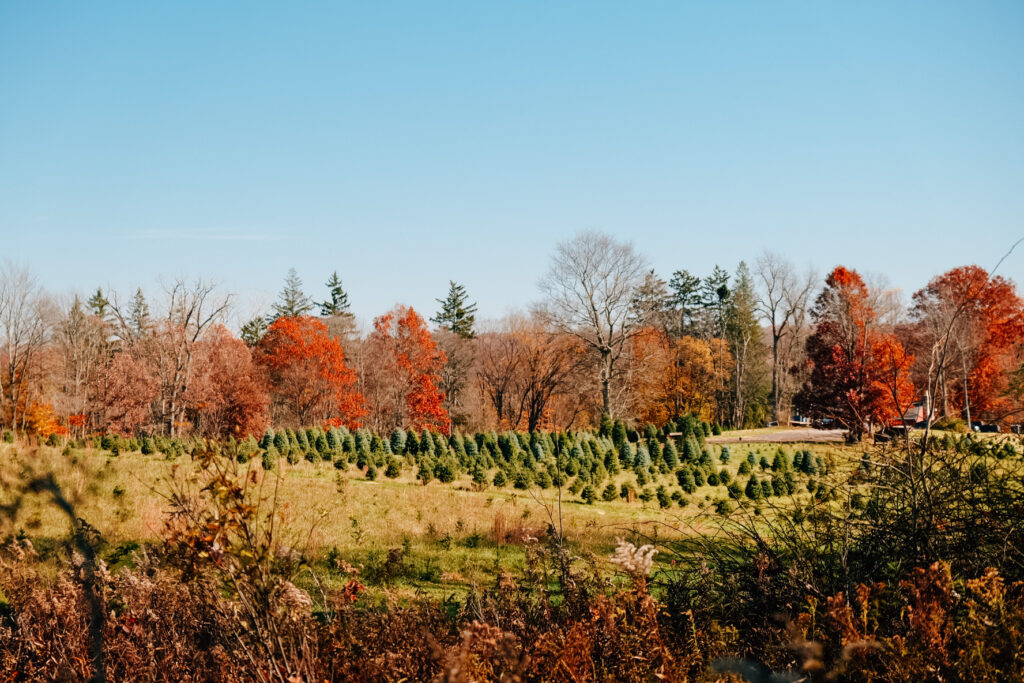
774 435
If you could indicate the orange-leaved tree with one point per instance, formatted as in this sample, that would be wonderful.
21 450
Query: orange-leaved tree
974 326
43 422
670 378
308 379
402 367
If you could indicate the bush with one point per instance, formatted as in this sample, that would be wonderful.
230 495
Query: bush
951 424
444 470
686 481
269 458
522 479
394 468
663 498
499 478
543 479
588 495
610 493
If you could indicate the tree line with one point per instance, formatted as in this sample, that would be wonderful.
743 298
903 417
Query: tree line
608 337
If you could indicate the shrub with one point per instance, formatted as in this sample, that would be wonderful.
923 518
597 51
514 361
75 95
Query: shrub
543 479
686 480
394 468
444 470
269 458
522 479
610 493
663 498
588 495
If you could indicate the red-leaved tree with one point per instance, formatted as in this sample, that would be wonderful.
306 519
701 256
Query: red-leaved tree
402 368
309 382
858 374
227 396
128 392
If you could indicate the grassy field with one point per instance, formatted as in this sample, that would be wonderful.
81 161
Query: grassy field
452 536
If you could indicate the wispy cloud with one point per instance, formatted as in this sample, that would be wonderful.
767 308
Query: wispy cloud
200 236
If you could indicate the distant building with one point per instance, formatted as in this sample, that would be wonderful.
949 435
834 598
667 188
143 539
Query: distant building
916 415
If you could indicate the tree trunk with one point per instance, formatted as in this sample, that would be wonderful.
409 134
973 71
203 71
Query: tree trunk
606 378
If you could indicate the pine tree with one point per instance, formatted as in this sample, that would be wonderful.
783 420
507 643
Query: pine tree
338 304
138 314
670 454
253 331
99 305
457 313
686 481
292 301
684 299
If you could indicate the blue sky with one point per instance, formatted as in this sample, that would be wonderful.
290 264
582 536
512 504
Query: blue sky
406 144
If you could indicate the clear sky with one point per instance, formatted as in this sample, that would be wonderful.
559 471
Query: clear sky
408 143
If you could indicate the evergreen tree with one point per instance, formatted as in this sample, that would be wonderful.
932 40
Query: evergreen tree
338 304
686 481
138 315
670 454
619 435
457 313
394 468
684 300
698 477
610 493
714 299
292 301
253 331
99 305
398 441
747 400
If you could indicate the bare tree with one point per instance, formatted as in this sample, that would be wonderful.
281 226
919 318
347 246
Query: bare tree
191 310
24 328
499 357
590 288
455 374
782 302
81 340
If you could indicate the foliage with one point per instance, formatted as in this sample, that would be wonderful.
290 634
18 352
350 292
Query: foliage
310 381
